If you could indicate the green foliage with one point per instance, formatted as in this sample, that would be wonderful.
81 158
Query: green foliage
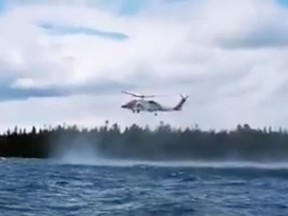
162 143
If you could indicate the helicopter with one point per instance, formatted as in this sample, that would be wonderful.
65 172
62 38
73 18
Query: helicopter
143 105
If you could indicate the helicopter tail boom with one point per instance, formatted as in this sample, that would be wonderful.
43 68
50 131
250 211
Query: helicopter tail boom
181 103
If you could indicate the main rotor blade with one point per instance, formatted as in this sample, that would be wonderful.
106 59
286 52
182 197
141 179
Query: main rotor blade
138 95
135 95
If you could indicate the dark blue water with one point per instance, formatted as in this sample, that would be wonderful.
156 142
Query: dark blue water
42 187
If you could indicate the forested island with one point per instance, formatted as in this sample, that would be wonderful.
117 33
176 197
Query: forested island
162 143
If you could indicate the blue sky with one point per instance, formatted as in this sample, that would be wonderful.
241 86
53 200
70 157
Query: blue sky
124 7
127 7
283 2
2 5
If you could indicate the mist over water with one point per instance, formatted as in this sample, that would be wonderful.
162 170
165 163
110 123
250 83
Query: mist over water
84 153
170 148
75 153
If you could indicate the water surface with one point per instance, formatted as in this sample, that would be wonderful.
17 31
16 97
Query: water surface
44 187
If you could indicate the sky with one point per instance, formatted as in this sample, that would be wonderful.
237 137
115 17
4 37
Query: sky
66 62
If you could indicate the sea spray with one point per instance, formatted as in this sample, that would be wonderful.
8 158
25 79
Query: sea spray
74 150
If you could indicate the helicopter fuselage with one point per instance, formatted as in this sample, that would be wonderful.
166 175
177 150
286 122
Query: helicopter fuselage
151 106
143 105
139 105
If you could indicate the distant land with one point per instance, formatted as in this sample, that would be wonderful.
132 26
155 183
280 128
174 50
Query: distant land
163 143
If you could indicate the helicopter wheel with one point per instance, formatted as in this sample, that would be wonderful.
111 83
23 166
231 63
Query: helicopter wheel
155 114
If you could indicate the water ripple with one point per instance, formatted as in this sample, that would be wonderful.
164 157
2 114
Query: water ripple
37 187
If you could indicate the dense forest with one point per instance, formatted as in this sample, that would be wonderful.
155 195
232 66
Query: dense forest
162 143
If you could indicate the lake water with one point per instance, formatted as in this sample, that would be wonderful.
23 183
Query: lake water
46 187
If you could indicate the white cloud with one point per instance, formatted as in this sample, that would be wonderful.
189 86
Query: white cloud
230 56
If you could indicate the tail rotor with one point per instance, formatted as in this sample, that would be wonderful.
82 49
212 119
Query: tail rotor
184 97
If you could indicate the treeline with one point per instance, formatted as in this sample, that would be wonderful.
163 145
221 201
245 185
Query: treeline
162 143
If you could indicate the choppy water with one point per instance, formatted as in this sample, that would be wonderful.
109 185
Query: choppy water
42 187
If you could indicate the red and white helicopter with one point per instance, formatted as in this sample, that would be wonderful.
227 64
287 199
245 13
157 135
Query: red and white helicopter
141 105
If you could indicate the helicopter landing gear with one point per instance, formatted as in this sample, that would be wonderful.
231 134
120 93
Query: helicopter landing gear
155 114
136 111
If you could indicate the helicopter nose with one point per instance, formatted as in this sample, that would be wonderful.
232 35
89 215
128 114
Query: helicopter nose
123 106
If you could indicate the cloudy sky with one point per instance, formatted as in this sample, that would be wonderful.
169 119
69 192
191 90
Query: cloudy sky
66 61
